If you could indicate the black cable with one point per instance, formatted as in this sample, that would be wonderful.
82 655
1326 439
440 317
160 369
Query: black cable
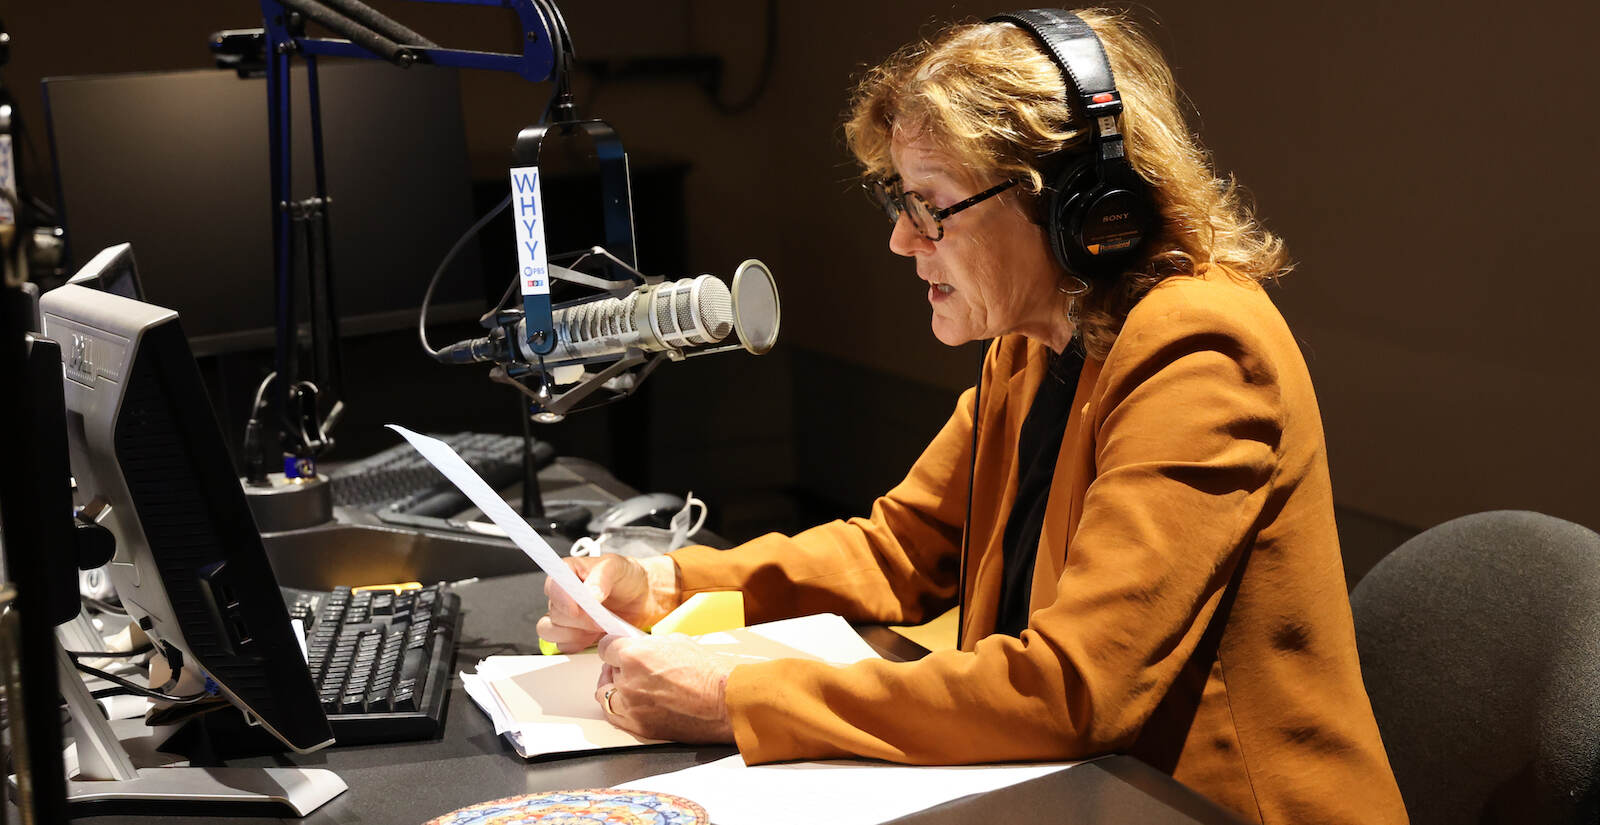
561 55
140 690
110 654
254 461
104 693
966 523
561 42
105 606
764 75
433 283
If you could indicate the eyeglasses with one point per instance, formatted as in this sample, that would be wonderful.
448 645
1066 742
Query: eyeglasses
886 192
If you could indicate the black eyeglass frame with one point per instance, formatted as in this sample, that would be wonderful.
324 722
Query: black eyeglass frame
889 195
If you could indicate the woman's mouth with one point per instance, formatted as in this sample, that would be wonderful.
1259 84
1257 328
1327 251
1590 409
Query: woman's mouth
938 292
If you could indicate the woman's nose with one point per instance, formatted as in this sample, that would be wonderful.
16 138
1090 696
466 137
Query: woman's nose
906 240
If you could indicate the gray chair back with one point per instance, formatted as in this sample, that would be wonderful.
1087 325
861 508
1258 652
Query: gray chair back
1480 647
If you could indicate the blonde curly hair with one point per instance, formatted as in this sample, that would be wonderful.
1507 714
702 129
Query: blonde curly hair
989 97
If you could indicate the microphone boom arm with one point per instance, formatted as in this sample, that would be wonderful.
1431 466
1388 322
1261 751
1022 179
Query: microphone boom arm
370 35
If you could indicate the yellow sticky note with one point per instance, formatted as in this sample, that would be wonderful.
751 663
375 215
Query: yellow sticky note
704 613
701 613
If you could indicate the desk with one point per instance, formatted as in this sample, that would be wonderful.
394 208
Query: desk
415 781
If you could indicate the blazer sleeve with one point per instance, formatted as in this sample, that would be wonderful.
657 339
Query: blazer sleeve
1186 435
898 565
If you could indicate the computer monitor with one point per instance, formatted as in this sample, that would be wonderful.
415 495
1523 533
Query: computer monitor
177 164
36 558
112 270
189 566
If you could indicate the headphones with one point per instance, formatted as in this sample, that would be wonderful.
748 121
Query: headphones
1099 212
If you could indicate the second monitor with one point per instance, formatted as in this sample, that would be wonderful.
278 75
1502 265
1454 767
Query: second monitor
177 164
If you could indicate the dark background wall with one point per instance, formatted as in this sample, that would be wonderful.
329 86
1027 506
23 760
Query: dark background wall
1430 167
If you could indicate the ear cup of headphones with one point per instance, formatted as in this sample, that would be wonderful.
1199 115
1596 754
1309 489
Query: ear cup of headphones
1100 217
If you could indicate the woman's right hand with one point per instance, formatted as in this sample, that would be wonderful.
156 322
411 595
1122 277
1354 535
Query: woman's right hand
640 592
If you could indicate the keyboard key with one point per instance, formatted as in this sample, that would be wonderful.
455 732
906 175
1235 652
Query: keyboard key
405 695
417 636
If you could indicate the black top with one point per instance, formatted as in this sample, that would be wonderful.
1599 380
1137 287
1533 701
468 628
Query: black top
1037 447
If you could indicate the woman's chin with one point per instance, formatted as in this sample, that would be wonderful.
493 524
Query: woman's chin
949 334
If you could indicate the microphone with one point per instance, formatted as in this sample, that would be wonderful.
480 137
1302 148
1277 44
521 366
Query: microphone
671 315
653 318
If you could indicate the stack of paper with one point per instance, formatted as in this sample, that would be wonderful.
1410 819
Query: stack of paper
545 704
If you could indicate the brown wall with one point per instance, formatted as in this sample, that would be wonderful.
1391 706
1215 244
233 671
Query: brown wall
1434 179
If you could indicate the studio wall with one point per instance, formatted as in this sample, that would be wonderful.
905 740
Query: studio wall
1430 172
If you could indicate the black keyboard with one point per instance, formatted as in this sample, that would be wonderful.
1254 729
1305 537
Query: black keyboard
401 487
381 660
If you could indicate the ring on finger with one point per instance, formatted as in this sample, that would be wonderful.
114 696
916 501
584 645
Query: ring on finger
606 700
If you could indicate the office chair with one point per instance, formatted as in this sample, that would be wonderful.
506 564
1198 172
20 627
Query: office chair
1480 647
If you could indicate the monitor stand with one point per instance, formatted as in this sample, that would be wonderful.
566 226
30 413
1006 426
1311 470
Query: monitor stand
108 781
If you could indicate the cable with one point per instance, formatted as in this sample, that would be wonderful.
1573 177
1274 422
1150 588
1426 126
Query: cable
768 58
254 462
562 54
261 394
110 654
105 606
562 44
966 523
140 690
433 283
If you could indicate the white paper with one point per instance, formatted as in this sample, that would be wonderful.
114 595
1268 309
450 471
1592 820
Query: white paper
440 455
477 688
545 704
858 793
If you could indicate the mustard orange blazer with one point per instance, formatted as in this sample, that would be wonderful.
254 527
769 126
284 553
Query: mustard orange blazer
1188 602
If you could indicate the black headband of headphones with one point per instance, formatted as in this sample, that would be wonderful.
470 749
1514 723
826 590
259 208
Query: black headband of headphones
1099 213
1084 67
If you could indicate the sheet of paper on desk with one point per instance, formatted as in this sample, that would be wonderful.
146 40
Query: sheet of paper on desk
478 491
545 704
836 792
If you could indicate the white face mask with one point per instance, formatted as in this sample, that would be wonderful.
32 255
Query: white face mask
640 542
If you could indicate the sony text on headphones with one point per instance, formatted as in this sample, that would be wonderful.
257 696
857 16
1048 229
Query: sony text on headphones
1099 209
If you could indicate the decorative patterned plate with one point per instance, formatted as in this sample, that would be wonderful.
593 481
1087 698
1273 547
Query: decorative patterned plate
595 806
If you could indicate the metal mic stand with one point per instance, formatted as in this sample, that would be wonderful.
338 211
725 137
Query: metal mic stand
297 498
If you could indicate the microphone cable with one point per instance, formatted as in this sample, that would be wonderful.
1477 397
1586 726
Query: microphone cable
769 54
966 521
433 283
556 95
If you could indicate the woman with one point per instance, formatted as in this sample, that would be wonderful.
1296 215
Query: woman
1151 563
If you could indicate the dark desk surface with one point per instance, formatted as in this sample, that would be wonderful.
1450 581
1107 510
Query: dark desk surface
416 781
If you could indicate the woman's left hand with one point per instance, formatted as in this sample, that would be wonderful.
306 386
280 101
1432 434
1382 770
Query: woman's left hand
665 687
